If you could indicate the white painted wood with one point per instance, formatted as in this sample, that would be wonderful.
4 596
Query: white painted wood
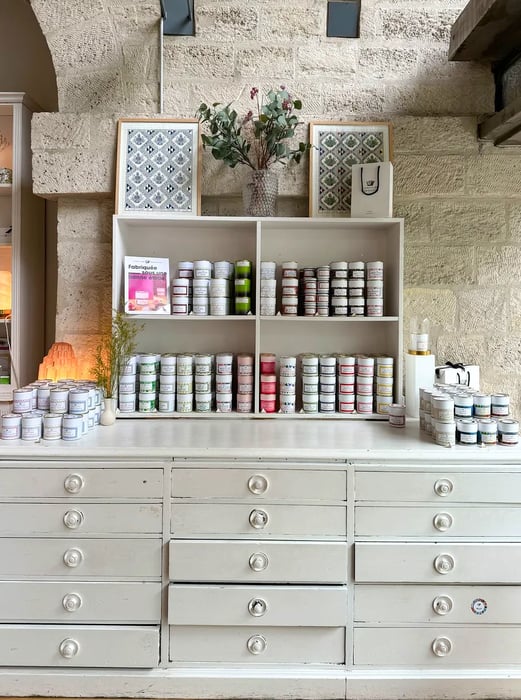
251 481
207 520
408 562
396 605
32 557
80 601
468 646
298 562
79 519
439 522
445 485
309 242
279 644
102 646
121 480
281 606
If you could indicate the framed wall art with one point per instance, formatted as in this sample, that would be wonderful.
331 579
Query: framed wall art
337 146
158 166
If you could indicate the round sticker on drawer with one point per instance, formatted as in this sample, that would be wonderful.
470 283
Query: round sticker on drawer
479 606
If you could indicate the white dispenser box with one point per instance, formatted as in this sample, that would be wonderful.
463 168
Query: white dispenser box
419 374
372 190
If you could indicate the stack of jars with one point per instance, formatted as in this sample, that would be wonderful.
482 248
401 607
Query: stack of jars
243 287
185 383
127 388
224 381
308 292
346 384
309 374
148 383
289 282
245 363
364 384
203 369
268 289
167 383
268 382
384 384
220 288
356 288
287 383
182 289
327 383
338 288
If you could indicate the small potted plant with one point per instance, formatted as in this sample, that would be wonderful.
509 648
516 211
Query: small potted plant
258 140
116 345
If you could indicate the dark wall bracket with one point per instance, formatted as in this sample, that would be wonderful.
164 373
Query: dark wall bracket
178 17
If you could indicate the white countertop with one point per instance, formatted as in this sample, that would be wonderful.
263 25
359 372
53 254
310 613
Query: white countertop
258 438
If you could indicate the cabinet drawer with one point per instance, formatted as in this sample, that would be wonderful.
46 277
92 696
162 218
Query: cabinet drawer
79 519
256 645
65 645
437 647
80 601
435 563
254 481
283 606
442 486
86 557
437 604
193 520
253 562
77 480
439 522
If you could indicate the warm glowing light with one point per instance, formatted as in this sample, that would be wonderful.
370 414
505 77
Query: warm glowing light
5 292
60 363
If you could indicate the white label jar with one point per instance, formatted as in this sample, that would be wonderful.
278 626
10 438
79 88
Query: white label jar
508 431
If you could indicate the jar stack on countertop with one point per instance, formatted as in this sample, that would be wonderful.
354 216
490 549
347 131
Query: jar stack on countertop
65 410
290 287
268 289
268 382
204 288
245 376
455 414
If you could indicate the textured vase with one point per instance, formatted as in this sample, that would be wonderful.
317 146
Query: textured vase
108 415
259 193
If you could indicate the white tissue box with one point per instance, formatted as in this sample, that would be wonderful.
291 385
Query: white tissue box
372 190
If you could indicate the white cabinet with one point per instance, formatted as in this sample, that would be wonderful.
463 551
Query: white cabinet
22 253
310 243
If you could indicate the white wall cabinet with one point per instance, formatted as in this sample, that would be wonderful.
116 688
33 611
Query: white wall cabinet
22 257
310 243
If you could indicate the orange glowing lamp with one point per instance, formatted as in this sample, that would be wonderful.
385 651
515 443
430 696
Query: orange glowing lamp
60 363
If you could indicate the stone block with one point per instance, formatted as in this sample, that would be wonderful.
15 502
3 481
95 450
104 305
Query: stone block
55 131
79 310
425 23
496 174
514 221
438 134
198 61
429 175
228 22
438 305
294 21
100 91
386 62
515 310
433 266
136 20
53 15
482 308
341 101
327 59
468 222
72 172
89 46
469 349
93 268
85 219
498 266
253 62
444 96
417 224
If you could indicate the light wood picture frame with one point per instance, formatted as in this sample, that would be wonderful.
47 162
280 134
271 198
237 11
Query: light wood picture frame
336 146
158 166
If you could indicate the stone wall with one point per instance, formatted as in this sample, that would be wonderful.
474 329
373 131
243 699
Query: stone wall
461 199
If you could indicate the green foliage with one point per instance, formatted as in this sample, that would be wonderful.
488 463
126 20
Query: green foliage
257 140
116 345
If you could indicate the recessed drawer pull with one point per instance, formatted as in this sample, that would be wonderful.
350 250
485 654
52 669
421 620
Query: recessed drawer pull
72 602
444 563
73 557
73 519
443 487
443 521
257 644
258 484
442 604
259 519
69 648
257 607
442 646
258 561
74 483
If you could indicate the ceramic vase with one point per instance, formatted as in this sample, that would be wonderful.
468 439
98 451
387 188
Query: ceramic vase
108 415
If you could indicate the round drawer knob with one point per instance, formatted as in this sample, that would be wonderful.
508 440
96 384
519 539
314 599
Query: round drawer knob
257 607
442 646
72 602
73 483
69 648
73 519
258 519
73 557
442 604
444 563
443 521
443 487
257 644
258 484
258 561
